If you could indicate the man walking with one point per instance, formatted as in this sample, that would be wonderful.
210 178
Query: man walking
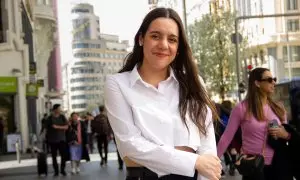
88 122
43 133
101 127
56 131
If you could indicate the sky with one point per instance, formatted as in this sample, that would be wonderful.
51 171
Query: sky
118 17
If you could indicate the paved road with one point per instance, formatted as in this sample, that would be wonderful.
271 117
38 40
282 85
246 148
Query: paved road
89 171
26 170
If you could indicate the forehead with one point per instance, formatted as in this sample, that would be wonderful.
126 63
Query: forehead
164 25
267 74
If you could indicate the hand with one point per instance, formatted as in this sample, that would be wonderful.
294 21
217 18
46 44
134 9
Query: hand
54 126
209 166
278 132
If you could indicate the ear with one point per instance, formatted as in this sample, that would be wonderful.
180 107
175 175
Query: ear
141 40
257 84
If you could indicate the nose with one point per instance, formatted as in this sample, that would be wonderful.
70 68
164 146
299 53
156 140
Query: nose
163 44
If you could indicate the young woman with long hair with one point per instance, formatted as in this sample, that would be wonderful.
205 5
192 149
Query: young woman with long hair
158 108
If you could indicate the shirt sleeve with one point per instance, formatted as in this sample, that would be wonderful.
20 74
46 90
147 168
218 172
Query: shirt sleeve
231 128
161 159
208 142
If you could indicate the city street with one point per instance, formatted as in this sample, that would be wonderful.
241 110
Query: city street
12 170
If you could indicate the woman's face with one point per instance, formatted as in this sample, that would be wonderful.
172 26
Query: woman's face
160 43
74 117
267 83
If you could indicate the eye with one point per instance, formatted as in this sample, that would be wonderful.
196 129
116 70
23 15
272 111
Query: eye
155 36
173 40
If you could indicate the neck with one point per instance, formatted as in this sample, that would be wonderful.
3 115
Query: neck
56 114
153 77
264 100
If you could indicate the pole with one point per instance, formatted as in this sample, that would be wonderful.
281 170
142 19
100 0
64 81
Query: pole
238 66
184 15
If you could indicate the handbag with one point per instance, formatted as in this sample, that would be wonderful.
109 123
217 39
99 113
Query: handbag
251 165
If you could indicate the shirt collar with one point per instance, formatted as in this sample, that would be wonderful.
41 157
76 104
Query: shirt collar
134 76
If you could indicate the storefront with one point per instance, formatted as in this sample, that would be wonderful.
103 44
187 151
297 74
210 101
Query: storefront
8 91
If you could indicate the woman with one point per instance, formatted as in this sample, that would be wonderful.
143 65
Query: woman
159 111
77 140
253 115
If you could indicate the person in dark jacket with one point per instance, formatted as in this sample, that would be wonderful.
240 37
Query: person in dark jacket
287 150
43 132
57 126
88 122
77 141
100 127
1 134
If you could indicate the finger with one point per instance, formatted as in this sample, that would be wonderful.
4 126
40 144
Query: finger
217 176
215 157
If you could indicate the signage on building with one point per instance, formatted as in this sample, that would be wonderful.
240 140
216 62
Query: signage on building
11 141
40 82
32 68
32 90
8 84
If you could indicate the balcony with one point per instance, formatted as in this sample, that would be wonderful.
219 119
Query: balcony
43 12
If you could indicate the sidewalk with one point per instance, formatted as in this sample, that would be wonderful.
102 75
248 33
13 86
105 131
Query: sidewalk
10 160
89 170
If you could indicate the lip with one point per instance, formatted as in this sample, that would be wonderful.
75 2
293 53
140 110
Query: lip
160 54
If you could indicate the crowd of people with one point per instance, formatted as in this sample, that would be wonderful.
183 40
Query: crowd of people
74 138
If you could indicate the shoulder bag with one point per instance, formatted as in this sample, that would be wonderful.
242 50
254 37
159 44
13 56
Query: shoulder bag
251 164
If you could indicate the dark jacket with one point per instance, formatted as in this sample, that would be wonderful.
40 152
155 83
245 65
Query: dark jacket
100 125
71 137
55 135
287 153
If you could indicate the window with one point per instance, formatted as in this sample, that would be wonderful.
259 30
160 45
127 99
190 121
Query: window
81 106
80 11
294 53
292 4
3 21
293 25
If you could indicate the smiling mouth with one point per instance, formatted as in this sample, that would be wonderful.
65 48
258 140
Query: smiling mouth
160 54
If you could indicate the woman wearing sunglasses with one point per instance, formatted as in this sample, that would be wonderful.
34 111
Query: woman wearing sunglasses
259 118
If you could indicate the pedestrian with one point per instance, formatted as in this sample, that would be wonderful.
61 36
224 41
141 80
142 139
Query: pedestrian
77 141
57 125
88 123
101 129
253 115
43 133
158 108
120 161
1 135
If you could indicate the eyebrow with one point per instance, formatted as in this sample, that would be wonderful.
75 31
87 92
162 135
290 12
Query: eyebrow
158 32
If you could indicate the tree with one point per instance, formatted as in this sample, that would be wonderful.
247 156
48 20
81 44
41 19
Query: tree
210 39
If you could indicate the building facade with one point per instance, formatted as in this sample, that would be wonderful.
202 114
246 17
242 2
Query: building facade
274 42
55 91
16 52
94 56
26 40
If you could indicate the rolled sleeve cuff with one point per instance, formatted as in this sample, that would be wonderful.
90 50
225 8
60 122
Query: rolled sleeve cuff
184 164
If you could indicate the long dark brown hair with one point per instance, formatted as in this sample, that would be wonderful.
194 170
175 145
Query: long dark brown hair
192 95
254 101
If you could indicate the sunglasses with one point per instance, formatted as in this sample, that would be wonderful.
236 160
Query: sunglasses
269 80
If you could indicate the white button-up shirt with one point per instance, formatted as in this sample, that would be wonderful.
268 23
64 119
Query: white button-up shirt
147 124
